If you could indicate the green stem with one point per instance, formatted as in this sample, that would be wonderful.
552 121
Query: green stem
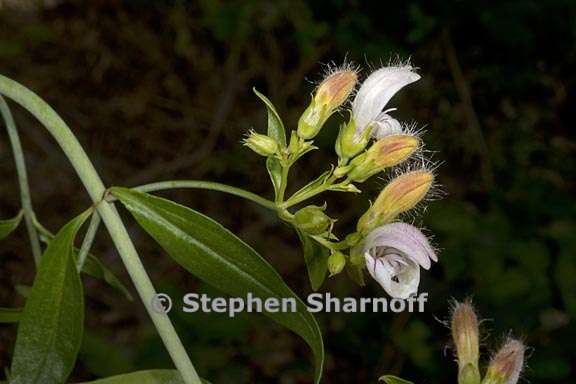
296 199
88 240
199 184
43 230
283 184
96 189
22 179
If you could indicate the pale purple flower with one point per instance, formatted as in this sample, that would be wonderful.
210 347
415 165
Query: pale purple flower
375 93
394 254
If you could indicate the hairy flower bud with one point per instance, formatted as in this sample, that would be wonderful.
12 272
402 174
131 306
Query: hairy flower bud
329 96
400 195
336 263
465 333
506 365
386 152
336 88
312 220
261 144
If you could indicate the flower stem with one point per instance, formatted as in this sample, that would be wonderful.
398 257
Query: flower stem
107 211
88 240
283 184
200 184
22 179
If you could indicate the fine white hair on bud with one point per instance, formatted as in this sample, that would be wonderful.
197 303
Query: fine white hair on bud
394 254
389 126
464 325
421 160
507 364
375 93
330 94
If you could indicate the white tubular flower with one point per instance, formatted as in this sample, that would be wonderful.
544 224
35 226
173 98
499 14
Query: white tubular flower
394 254
375 92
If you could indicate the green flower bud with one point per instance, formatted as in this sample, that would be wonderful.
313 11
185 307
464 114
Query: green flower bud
331 93
261 144
312 220
349 143
336 263
312 120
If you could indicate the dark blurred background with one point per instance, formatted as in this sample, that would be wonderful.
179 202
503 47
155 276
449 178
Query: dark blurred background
158 90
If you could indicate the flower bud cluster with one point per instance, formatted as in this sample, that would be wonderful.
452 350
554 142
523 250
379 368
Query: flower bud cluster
393 253
370 142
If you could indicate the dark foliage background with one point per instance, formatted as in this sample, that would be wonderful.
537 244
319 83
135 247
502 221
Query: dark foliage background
161 90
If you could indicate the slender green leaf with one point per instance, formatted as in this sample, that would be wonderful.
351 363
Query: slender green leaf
389 379
95 268
275 171
316 258
10 315
214 254
276 131
314 184
7 226
52 322
275 126
154 376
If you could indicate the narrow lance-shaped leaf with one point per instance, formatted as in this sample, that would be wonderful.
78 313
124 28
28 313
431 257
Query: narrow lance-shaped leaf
275 126
95 268
215 255
277 131
10 315
275 171
314 184
7 226
153 376
52 322
316 258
